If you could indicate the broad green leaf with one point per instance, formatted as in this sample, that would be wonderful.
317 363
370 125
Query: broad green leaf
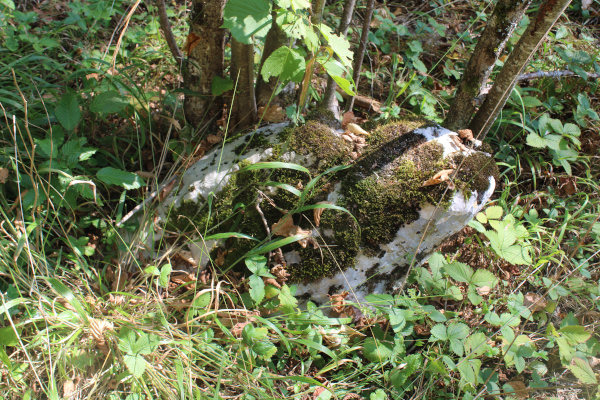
438 332
135 363
494 212
481 217
245 18
295 4
287 300
583 371
535 140
338 44
48 147
67 111
108 102
220 85
165 275
264 347
482 277
476 344
376 351
529 101
469 370
575 334
454 293
256 263
113 176
460 272
8 337
257 288
285 63
344 84
571 129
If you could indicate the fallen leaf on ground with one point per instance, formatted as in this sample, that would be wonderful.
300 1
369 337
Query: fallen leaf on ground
287 228
68 388
484 290
439 177
568 185
521 390
318 211
338 301
3 175
534 302
356 129
272 114
347 118
456 140
466 134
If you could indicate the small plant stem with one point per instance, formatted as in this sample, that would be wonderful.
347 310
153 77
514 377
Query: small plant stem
360 53
167 31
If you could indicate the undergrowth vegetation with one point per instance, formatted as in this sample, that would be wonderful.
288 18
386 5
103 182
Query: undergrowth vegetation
91 123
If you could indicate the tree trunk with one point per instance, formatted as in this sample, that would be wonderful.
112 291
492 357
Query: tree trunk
329 96
360 53
243 108
499 29
274 40
205 60
532 38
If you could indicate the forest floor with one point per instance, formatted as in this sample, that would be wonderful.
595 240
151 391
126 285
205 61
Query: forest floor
88 92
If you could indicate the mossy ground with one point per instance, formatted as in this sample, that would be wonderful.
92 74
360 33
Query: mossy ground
382 190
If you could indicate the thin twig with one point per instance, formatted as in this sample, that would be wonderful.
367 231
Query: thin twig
165 25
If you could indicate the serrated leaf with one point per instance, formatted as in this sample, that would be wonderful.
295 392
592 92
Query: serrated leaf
67 111
285 63
113 176
165 275
494 212
469 370
376 351
108 102
476 344
575 334
477 225
287 300
136 364
520 364
583 371
439 332
454 293
482 277
535 140
457 330
571 129
245 18
256 263
481 217
460 272
457 347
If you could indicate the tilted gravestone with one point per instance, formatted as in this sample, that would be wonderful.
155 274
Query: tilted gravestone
409 185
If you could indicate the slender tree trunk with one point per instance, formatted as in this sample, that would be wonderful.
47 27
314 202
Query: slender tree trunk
242 74
499 29
205 60
329 96
360 53
165 25
316 12
274 40
532 38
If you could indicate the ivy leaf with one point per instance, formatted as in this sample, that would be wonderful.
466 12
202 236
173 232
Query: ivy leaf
286 63
67 111
245 18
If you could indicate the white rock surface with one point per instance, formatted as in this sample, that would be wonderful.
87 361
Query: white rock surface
377 274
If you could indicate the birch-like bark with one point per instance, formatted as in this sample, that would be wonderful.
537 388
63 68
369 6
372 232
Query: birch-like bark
532 38
329 96
360 53
499 29
205 60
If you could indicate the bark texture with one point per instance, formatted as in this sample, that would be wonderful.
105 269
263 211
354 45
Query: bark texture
500 27
360 53
165 25
274 40
205 60
242 73
329 96
532 38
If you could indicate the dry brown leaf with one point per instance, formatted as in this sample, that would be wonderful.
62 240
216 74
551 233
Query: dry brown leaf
284 226
439 177
456 140
568 184
145 175
272 114
534 302
68 388
338 301
484 290
271 281
280 273
220 260
353 128
3 175
192 41
213 139
466 134
347 118
97 329
318 211
521 390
